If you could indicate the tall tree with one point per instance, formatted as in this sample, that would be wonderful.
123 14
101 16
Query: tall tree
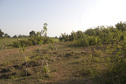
1 33
121 26
73 36
32 33
6 35
79 34
15 36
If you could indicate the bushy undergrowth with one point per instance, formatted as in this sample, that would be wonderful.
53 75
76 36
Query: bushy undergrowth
102 64
97 36
87 41
105 66
115 72
116 75
33 41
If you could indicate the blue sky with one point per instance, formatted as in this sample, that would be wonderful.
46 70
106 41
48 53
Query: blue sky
22 16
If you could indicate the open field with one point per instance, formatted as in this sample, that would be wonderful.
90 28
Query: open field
29 54
67 65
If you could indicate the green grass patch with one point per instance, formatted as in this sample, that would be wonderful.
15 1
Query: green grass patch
9 41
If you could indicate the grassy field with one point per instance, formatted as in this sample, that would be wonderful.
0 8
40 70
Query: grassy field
67 65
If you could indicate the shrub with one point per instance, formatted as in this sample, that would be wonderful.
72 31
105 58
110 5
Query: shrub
116 75
87 41
16 44
82 42
33 41
25 42
47 40
93 40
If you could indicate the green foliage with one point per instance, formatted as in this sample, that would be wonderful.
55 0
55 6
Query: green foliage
32 33
73 36
79 34
15 36
124 49
82 42
121 26
33 41
6 35
87 41
115 75
44 31
97 53
45 69
90 32
47 40
21 42
64 37
97 36
35 38
1 33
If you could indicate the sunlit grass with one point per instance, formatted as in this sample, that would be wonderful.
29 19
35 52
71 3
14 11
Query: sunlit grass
88 64
9 41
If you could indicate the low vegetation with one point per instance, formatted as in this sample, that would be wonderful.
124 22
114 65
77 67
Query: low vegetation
97 36
96 56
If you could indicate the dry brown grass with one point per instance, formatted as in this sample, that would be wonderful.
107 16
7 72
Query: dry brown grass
65 64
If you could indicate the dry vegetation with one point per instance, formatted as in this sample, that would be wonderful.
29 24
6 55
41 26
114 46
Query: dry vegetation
68 65
96 56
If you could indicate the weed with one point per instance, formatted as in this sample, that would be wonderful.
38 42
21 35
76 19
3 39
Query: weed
96 59
22 47
97 53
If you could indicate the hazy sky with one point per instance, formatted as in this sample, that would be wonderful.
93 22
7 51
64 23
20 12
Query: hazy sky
22 16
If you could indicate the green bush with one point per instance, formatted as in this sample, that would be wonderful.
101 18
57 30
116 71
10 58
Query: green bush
16 44
82 42
33 41
87 41
25 42
47 40
116 75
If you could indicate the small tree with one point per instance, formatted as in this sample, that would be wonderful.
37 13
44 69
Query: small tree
44 31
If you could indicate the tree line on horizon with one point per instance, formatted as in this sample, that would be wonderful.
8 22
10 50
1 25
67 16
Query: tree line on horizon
101 34
35 38
98 35
31 33
5 35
